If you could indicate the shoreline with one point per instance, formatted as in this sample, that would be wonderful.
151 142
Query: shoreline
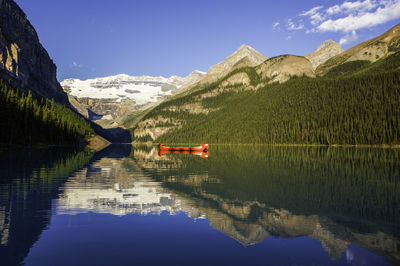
96 143
384 146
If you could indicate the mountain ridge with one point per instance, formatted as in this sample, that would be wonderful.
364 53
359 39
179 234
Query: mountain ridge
371 50
324 52
282 101
220 69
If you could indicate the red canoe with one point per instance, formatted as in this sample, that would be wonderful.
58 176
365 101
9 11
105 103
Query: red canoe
202 147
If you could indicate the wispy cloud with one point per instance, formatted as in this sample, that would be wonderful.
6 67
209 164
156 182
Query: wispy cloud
276 26
288 38
350 7
292 26
346 18
75 64
348 38
313 14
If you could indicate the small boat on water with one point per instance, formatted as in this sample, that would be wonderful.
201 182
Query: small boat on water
201 148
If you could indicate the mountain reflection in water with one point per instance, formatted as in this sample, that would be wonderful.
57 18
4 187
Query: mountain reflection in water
348 199
255 193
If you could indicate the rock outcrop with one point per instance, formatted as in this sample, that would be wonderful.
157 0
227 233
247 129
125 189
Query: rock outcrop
371 50
239 78
104 109
192 78
282 68
23 60
325 51
156 127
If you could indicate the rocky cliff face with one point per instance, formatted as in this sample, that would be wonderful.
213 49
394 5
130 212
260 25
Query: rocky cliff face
325 51
107 112
23 60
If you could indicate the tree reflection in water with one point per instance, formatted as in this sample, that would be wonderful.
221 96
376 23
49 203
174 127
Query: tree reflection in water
346 198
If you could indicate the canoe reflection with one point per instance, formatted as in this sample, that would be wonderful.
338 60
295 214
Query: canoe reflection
202 154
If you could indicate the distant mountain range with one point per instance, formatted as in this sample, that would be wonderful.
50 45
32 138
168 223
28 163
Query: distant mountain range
112 98
140 89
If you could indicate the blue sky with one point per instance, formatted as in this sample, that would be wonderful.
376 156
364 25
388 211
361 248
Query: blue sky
95 38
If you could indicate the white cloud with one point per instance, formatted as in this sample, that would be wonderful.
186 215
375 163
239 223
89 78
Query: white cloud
292 26
346 18
360 21
348 38
311 12
276 26
288 38
315 16
349 7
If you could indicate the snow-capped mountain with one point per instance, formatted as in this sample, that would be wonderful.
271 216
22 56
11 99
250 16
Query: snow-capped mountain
141 89
113 98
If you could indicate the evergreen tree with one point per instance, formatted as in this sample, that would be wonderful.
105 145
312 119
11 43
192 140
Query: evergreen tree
26 120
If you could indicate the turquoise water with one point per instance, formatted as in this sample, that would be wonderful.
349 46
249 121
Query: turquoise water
256 205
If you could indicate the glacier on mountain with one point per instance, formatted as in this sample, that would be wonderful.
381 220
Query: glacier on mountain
141 89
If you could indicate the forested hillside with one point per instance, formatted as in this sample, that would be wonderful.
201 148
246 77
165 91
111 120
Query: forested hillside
355 103
26 120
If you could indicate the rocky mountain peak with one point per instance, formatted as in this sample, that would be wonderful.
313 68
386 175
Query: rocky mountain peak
325 51
244 50
254 58
197 72
329 44
195 75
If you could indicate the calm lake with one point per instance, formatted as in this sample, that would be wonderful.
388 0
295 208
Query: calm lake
252 205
